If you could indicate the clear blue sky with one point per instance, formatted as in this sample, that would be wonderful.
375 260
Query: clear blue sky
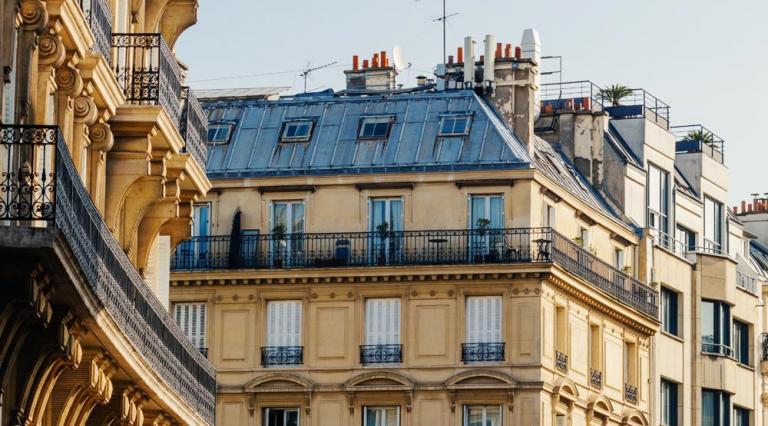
707 59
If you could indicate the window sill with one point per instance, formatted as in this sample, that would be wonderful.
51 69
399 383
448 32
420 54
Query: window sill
673 336
746 366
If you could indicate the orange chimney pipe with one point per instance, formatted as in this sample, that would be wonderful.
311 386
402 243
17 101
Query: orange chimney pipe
365 64
375 61
482 58
507 50
384 59
518 52
498 50
743 206
355 62
450 59
460 55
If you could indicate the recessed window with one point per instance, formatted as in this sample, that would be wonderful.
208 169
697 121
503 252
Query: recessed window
375 127
716 328
281 416
668 403
381 416
715 407
741 342
454 125
297 131
191 318
485 415
669 311
740 416
220 133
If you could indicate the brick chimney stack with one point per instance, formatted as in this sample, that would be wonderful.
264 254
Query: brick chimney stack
379 76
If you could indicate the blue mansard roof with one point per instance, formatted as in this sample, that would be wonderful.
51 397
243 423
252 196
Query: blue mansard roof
413 143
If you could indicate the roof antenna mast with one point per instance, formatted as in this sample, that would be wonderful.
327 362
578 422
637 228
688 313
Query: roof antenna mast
444 20
307 71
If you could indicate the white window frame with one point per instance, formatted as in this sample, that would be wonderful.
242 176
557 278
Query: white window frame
382 321
296 124
226 128
284 323
456 117
375 120
480 312
191 317
381 408
717 241
619 258
658 219
549 215
296 410
467 407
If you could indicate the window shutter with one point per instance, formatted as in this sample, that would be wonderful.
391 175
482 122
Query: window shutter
191 318
484 319
394 327
371 310
382 321
472 319
272 324
284 323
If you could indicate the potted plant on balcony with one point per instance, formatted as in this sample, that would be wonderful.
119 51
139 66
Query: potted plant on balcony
700 135
481 253
278 235
383 230
615 93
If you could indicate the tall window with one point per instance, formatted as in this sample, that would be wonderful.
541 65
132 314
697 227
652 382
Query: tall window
197 251
287 228
191 318
484 319
715 408
716 328
668 403
658 199
284 323
8 104
281 417
548 215
669 313
482 415
686 240
741 341
584 238
382 332
619 260
713 225
486 212
385 215
202 220
561 324
740 416
381 416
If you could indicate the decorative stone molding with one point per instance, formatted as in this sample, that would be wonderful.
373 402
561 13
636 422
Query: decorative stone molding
478 380
101 137
68 80
51 51
34 15
85 110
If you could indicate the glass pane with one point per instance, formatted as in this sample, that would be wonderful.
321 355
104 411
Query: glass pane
447 128
297 225
279 215
493 416
474 416
396 215
654 189
292 418
709 406
391 416
496 213
478 212
275 417
460 126
381 129
708 323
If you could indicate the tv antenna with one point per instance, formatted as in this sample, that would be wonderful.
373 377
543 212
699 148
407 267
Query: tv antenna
444 19
307 71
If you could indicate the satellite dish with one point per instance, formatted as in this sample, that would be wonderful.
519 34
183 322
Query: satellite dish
399 60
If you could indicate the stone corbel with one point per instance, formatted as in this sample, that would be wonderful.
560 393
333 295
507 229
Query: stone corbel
308 402
452 400
351 402
409 401
34 15
85 110
51 51
252 404
511 399
101 137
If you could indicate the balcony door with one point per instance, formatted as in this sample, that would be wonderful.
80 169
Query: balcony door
287 228
385 221
486 219
198 251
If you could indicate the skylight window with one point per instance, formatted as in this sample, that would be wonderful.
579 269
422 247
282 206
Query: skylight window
220 132
375 127
454 125
297 131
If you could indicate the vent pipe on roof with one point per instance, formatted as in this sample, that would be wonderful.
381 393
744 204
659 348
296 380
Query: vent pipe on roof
469 63
489 65
531 49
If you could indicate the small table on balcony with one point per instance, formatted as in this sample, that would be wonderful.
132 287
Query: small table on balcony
542 249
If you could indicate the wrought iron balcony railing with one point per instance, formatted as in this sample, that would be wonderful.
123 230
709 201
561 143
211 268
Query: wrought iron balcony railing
482 352
428 247
764 347
561 362
596 378
630 393
99 17
272 356
193 126
40 183
381 354
147 71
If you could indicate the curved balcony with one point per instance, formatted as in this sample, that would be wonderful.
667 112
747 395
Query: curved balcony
193 126
99 17
42 189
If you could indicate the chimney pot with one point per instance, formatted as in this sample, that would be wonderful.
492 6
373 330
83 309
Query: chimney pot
518 52
375 61
365 64
507 50
498 50
384 59
450 59
460 55
482 58
355 62
743 206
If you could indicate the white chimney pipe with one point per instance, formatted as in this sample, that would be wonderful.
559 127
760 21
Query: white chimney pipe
469 63
531 47
490 58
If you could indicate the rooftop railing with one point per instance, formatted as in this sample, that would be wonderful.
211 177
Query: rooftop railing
571 96
746 282
99 17
697 138
147 71
397 248
193 126
640 103
41 187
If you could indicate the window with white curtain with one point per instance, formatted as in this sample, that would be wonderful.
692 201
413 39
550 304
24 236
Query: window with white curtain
381 416
284 323
484 319
658 199
382 321
191 318
713 224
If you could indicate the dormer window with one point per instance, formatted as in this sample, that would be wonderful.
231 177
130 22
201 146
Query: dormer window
297 131
375 127
455 125
220 132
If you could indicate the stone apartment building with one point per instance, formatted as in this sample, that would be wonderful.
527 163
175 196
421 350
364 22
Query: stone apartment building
479 249
102 156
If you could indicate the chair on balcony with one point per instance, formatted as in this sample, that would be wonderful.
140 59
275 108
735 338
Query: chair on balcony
341 253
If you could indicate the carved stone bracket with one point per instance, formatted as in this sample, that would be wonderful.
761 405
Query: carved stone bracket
85 110
68 80
34 15
51 51
101 136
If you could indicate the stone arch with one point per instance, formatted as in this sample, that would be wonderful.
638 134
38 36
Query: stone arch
379 379
567 389
600 408
287 383
480 378
634 418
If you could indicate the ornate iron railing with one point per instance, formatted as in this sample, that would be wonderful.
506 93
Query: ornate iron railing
630 393
764 347
40 183
428 247
482 352
193 126
147 71
381 354
99 17
596 378
561 362
27 174
282 355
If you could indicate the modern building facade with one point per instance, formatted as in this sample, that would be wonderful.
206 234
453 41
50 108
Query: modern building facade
102 156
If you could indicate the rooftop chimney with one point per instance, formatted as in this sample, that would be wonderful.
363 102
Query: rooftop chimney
379 76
